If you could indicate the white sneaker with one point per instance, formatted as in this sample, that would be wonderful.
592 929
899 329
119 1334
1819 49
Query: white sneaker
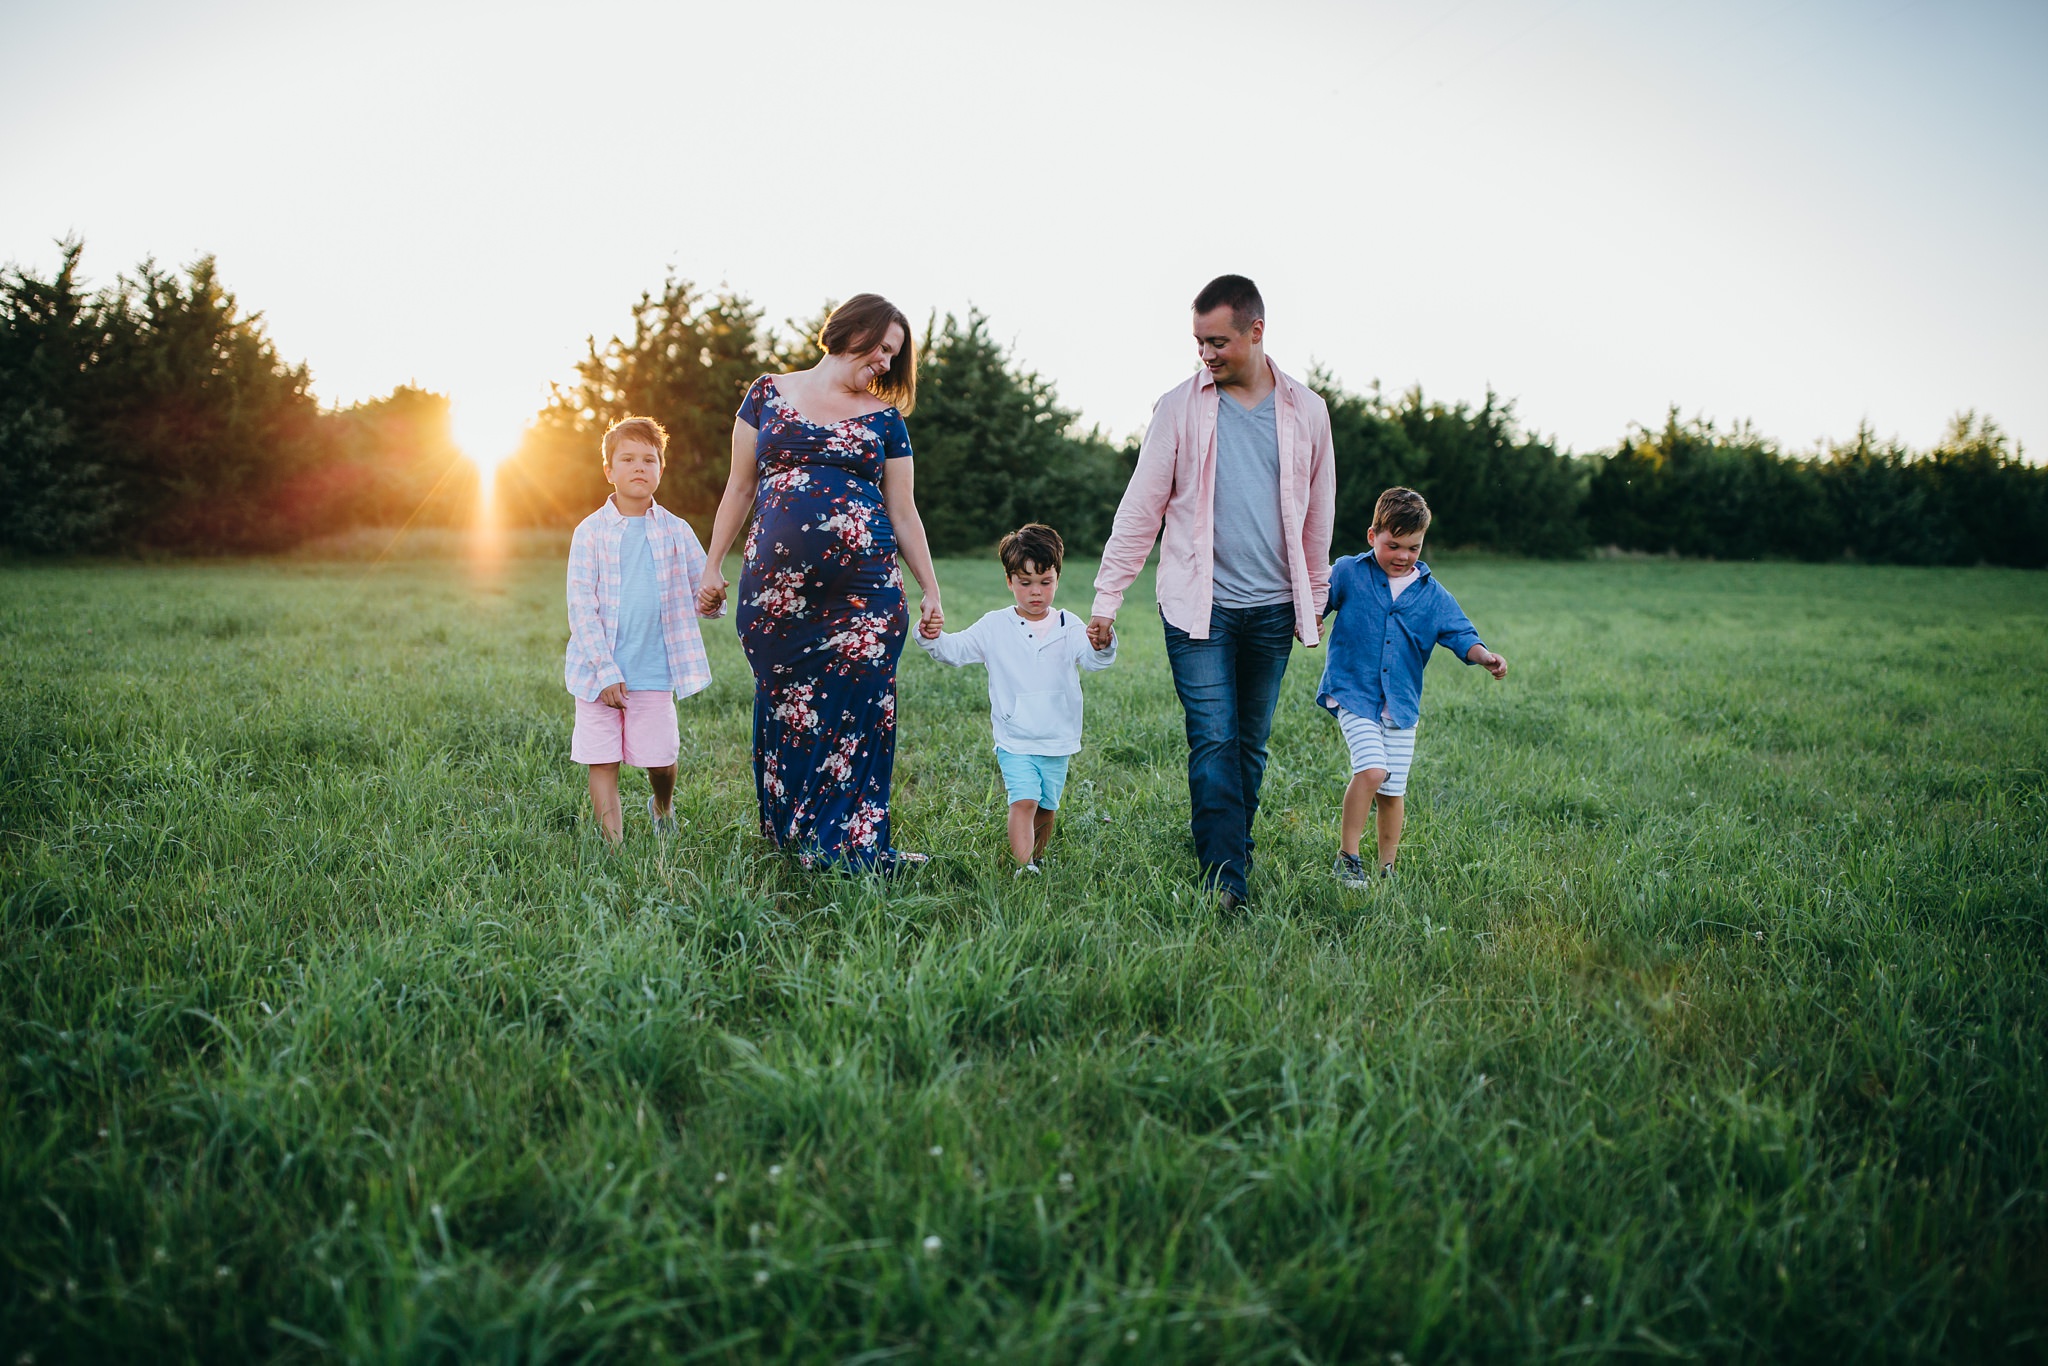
1031 869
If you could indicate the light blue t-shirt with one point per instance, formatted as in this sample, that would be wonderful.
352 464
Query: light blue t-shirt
641 652
1251 567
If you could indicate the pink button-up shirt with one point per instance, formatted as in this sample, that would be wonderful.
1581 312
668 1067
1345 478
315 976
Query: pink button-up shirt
1175 486
588 665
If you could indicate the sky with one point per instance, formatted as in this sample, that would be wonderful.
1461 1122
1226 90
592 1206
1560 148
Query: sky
1802 214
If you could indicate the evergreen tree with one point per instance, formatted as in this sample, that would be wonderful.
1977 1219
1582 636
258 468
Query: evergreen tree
995 449
687 364
53 495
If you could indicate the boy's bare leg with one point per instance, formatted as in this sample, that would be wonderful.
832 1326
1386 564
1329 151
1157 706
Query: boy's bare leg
1041 831
663 781
1365 785
1023 830
604 800
1393 810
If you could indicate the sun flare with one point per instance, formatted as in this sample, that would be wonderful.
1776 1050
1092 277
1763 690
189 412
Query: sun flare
487 435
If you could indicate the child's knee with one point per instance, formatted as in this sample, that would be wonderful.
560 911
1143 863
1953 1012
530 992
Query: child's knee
1368 780
1027 807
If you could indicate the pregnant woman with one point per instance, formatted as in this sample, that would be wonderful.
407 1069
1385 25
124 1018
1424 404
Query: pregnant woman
821 476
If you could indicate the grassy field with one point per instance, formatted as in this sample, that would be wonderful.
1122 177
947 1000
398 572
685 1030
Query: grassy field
1707 1020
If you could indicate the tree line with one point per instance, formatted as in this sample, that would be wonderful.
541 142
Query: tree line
156 414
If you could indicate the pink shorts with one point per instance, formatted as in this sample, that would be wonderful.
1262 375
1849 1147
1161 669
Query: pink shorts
643 735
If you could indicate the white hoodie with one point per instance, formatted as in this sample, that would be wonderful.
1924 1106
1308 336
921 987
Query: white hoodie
1034 689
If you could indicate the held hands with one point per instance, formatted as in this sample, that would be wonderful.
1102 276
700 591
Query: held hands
614 696
1489 661
1101 631
711 593
931 619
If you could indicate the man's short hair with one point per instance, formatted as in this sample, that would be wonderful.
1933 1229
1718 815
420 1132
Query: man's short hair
1035 545
635 429
1239 294
1400 512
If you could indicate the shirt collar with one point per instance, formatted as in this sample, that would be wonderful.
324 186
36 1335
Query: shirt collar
654 512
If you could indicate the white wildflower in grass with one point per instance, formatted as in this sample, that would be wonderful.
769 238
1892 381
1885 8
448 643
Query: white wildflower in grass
760 1278
1130 1335
610 1167
775 1172
932 1244
103 1133
718 1178
937 1150
221 1273
160 1256
1066 1180
1585 1301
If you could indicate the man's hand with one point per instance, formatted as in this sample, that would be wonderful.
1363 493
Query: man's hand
931 619
1489 661
711 593
1101 631
614 696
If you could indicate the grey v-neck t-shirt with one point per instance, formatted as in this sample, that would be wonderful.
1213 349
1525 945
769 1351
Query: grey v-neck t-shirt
1251 565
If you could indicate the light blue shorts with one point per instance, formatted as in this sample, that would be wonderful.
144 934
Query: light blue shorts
1034 777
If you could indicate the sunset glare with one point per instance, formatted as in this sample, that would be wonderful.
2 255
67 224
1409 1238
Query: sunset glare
486 435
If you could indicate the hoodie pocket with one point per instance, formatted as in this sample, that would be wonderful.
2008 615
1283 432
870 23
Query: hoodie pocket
1038 716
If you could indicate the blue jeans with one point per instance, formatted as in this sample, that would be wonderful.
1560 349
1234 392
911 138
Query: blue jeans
1228 686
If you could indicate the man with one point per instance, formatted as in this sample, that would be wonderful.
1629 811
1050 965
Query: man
1237 466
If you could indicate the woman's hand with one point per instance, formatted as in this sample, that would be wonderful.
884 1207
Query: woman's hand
711 593
931 618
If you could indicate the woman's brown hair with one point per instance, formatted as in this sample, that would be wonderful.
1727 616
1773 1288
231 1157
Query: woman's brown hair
862 322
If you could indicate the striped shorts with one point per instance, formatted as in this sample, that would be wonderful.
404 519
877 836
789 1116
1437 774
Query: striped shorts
1377 746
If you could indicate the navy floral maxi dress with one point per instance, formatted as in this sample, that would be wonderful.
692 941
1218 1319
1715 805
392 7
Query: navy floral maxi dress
821 617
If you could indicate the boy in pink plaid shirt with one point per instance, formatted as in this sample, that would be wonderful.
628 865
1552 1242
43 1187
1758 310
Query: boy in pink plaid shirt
634 646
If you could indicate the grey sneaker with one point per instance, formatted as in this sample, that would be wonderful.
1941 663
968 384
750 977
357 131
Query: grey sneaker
664 824
1387 870
1030 869
1349 869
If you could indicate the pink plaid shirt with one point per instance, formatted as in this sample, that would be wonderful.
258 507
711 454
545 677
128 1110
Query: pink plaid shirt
590 667
1172 499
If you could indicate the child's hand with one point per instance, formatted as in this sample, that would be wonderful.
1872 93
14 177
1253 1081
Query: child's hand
1492 663
711 593
614 696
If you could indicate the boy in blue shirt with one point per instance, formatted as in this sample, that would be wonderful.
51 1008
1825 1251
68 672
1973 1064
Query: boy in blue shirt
1390 614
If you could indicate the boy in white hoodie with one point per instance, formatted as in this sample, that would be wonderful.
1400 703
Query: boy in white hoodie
1034 690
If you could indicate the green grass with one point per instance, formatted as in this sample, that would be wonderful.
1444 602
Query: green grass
1707 1018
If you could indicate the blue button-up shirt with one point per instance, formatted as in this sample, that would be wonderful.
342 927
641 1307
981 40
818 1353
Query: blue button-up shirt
1378 647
